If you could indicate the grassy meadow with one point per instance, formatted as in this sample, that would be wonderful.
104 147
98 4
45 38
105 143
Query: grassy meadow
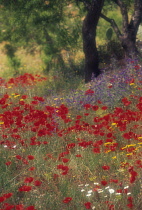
66 145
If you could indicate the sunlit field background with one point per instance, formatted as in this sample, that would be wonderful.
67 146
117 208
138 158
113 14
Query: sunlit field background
66 145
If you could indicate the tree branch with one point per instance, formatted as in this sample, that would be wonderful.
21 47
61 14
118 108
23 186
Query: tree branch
136 18
113 24
124 12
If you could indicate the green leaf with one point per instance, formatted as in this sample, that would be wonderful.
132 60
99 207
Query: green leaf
109 33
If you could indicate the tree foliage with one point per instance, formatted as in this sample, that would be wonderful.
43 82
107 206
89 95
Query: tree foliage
39 22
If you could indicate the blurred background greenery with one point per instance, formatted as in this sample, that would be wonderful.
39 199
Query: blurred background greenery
45 37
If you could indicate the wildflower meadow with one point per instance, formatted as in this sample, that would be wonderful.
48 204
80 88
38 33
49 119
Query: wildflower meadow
74 151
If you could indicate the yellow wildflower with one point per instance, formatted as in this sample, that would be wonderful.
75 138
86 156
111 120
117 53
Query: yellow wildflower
107 143
16 96
107 151
115 124
129 154
132 83
131 145
92 178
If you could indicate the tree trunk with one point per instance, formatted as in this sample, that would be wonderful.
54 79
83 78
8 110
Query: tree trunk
129 28
129 46
89 43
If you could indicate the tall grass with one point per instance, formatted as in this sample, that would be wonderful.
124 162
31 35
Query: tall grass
78 149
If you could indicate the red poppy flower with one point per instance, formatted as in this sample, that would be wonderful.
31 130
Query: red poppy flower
109 140
21 103
2 101
96 150
105 167
140 98
19 207
62 167
130 199
87 205
125 191
97 119
78 155
111 207
30 157
7 195
32 168
65 160
71 145
18 157
63 154
137 67
139 106
87 106
109 135
2 198
99 102
104 183
125 101
30 208
119 191
4 136
132 179
65 172
24 96
55 176
95 108
110 86
45 142
67 200
25 161
114 180
25 188
7 206
97 143
128 135
86 114
78 117
130 205
8 163
42 132
28 179
85 144
34 102
89 92
104 107
3 107
62 110
139 163
96 188
37 183
38 98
